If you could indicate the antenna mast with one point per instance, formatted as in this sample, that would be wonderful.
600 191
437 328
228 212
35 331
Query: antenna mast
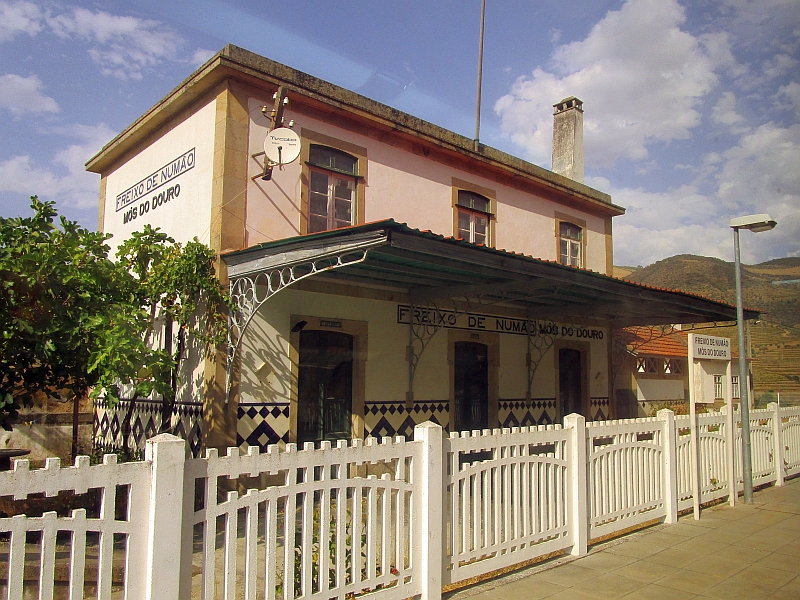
480 77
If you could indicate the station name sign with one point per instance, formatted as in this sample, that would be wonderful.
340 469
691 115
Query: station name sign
136 198
449 319
707 347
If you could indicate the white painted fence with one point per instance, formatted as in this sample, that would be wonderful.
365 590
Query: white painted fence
395 519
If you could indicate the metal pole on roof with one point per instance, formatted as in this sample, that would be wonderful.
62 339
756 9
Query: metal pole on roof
480 78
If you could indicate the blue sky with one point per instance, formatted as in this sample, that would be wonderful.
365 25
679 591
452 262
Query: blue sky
692 109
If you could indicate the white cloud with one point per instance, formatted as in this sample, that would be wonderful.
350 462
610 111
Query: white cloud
122 46
640 76
22 95
724 113
763 168
200 56
761 173
65 179
19 17
791 92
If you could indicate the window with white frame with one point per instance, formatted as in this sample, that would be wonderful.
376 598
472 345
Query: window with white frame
332 188
474 212
570 242
718 391
735 387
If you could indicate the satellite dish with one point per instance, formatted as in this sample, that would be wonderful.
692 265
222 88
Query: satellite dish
282 146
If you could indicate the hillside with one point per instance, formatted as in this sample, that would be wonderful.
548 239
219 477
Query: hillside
775 339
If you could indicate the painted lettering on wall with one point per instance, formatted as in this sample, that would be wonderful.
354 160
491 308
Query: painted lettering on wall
148 204
492 323
135 196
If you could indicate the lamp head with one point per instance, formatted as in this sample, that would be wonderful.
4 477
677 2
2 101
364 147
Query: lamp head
755 223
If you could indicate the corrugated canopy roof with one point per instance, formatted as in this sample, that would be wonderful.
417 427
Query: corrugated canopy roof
432 268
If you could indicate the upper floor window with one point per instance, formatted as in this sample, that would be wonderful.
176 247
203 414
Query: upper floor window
332 188
570 240
673 366
474 212
648 364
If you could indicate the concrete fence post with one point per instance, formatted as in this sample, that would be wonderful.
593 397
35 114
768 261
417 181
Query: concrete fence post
430 484
670 485
777 439
167 455
578 497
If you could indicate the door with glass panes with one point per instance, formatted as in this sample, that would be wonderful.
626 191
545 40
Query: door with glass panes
471 386
570 381
324 386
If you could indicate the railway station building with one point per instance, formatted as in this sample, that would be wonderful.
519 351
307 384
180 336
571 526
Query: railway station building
395 272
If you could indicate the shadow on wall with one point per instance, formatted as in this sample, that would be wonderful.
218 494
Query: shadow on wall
266 373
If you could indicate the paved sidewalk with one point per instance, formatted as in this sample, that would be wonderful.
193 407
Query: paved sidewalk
741 552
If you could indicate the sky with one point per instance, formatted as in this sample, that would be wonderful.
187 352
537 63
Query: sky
692 108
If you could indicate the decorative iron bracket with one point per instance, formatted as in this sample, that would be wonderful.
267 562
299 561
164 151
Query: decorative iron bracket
428 318
250 292
541 337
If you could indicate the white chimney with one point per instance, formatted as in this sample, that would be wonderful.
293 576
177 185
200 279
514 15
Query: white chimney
568 138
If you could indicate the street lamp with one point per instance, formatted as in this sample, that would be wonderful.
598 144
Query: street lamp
756 224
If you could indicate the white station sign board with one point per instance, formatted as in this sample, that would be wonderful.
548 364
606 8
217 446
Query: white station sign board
708 347
710 381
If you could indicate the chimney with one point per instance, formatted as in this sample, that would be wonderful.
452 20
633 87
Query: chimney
568 138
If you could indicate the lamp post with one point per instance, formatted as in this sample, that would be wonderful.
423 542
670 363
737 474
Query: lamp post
756 224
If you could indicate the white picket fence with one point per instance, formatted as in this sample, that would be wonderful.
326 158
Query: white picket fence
391 518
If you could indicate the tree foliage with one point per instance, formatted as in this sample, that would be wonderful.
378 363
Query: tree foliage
76 322
176 287
57 291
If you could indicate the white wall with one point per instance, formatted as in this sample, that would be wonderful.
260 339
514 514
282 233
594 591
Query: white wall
659 389
185 215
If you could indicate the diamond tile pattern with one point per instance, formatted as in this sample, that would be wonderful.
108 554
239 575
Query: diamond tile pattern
517 413
600 408
186 422
389 419
262 424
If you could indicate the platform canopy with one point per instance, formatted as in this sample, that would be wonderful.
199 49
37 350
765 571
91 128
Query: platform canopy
432 269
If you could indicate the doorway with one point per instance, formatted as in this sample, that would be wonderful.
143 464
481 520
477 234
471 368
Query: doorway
471 386
324 386
570 381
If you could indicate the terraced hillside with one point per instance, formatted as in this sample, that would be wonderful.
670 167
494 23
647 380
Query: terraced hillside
775 340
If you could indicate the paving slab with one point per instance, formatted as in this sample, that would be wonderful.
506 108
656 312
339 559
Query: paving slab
745 551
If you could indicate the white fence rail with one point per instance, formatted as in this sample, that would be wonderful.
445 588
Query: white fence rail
391 518
506 498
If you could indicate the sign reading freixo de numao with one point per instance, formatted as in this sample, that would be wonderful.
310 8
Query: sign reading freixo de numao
449 319
144 196
709 347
